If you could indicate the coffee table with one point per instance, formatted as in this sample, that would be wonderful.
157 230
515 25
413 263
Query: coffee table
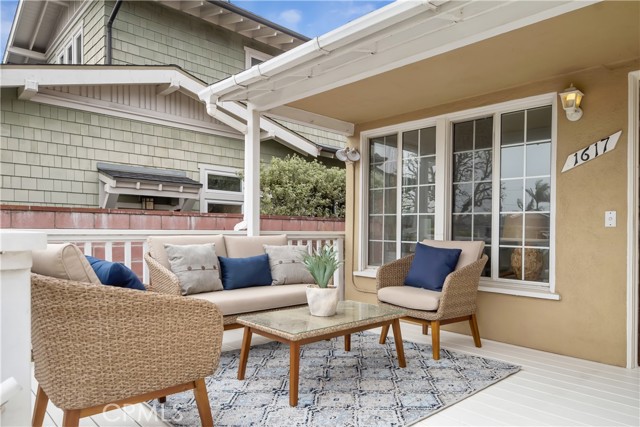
297 327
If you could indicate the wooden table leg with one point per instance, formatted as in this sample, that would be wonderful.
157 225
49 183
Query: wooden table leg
384 333
294 372
347 342
244 352
397 337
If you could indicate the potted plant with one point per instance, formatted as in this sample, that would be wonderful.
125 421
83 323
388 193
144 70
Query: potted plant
322 264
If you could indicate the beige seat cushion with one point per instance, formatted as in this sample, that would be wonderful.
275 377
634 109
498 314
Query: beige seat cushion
257 298
471 251
156 245
243 246
64 261
410 297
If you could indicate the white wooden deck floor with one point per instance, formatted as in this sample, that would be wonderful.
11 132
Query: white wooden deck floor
549 390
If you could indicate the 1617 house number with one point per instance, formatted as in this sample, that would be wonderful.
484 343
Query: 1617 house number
592 151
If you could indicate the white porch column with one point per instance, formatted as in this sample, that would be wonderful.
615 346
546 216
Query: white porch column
15 320
252 172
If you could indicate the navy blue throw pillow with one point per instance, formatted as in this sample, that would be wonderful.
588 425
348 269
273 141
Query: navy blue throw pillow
245 272
115 274
431 266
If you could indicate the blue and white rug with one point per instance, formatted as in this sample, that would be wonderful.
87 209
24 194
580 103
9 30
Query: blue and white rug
363 387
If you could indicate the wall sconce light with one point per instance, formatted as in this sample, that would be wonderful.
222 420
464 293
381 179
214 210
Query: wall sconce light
571 99
348 155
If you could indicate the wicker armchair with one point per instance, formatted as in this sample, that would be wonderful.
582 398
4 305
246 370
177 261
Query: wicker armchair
98 347
457 301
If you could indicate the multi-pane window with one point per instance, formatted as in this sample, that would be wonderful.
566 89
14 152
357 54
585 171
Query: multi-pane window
525 194
72 52
499 190
418 201
222 190
383 199
472 182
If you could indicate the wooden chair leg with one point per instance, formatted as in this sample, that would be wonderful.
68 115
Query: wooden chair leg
71 418
473 322
425 328
40 409
435 339
202 400
162 399
384 333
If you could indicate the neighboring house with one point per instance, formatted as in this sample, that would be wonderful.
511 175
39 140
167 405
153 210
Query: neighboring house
94 86
463 136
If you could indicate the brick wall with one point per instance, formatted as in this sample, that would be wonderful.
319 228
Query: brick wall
43 217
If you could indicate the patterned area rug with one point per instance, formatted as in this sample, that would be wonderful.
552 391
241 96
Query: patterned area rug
363 387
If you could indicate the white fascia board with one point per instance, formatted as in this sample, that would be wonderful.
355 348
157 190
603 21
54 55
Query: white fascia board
55 75
307 118
276 130
13 30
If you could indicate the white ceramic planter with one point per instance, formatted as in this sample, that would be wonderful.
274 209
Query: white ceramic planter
322 301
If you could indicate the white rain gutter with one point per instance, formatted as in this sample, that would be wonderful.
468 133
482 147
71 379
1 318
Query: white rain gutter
323 45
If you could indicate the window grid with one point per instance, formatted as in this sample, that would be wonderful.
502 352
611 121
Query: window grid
478 178
524 244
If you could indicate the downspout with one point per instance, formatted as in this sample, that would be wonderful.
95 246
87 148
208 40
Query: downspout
112 18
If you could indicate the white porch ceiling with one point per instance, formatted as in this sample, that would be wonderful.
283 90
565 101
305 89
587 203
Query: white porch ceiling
397 35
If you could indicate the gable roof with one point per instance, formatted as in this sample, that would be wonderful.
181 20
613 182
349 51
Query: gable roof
35 23
30 80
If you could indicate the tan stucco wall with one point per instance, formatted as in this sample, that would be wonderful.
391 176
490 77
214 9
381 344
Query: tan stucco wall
589 321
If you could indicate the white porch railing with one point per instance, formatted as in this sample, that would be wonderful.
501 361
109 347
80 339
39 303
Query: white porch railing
128 246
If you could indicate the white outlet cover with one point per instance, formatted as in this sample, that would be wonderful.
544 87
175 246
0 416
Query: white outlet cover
610 219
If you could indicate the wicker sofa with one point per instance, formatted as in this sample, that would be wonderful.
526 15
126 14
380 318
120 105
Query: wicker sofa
232 303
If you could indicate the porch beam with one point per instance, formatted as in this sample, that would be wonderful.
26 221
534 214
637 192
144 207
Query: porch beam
281 133
314 120
252 173
27 53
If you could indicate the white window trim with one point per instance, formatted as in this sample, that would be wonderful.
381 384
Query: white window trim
220 197
250 53
444 136
62 57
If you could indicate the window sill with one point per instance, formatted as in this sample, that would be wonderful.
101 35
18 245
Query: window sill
370 273
517 290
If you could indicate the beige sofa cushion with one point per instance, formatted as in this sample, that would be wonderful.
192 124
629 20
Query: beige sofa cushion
410 297
246 300
64 261
243 246
471 251
156 245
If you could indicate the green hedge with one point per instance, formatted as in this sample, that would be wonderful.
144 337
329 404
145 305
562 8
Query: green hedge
294 186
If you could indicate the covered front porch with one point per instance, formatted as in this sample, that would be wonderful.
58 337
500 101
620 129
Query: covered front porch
549 390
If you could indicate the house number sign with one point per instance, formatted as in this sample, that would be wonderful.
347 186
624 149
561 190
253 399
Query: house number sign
592 151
